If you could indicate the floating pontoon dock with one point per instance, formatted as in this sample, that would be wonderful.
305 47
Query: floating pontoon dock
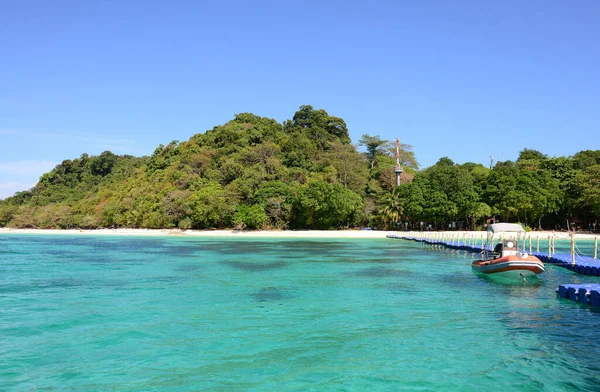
588 294
584 265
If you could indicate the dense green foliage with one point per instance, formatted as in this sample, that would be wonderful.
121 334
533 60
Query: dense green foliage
536 190
256 173
249 173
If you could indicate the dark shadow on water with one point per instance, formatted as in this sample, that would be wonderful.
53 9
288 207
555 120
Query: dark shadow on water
305 248
379 272
188 267
41 285
55 245
269 294
351 259
62 253
181 250
255 266
106 259
457 281
400 289
165 279
63 283
59 283
112 283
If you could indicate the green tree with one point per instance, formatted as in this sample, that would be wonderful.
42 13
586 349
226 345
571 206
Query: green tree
586 190
476 211
211 207
349 165
319 205
391 208
320 126
584 159
250 217
176 206
375 146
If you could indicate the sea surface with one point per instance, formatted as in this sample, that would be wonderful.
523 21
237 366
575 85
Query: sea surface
98 313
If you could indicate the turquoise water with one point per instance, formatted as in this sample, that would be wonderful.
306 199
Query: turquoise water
179 314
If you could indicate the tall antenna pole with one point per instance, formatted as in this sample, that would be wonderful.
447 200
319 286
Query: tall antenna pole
398 169
491 161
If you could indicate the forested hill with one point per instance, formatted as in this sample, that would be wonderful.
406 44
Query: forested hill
251 172
256 173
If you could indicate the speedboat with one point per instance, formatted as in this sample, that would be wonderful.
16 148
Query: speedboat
504 254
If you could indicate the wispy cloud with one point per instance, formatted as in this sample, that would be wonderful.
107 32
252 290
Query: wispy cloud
89 139
15 185
16 176
27 167
8 131
8 189
92 143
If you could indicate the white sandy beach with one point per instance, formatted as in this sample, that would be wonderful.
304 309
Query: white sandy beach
211 233
276 234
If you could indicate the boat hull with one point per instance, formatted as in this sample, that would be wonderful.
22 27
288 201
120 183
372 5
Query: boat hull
510 266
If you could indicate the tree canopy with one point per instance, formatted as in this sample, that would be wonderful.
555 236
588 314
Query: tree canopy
256 173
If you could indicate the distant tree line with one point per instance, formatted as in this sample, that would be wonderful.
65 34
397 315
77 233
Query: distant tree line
536 190
304 173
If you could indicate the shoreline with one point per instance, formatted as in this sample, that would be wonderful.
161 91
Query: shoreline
274 233
207 233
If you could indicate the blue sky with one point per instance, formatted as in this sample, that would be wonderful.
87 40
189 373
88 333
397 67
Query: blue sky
463 78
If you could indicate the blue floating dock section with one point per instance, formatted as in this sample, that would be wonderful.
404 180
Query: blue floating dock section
584 265
587 294
458 245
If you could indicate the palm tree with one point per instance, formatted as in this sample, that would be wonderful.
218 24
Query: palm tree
391 208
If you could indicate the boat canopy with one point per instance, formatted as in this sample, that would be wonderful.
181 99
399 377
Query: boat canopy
504 227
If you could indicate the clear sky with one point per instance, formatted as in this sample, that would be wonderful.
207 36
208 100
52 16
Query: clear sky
463 79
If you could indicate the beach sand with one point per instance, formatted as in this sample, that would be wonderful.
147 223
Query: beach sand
211 233
275 233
